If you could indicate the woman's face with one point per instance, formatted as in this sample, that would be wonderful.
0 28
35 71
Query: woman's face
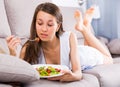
46 26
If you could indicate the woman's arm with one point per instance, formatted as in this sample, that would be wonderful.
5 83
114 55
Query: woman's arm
74 74
74 56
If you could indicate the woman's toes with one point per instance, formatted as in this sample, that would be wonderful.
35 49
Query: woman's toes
79 20
89 15
78 16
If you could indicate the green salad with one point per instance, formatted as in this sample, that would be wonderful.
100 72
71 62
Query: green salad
48 71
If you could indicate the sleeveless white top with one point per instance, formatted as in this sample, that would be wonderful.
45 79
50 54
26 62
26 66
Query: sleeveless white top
64 50
89 56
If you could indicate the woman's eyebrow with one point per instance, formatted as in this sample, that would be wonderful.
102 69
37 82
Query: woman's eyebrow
38 19
50 21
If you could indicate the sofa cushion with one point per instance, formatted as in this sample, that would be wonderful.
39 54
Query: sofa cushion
116 59
1 50
4 26
108 75
3 46
114 46
87 81
103 39
20 14
5 85
13 69
104 42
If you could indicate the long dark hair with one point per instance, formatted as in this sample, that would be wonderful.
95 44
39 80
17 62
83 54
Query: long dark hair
33 48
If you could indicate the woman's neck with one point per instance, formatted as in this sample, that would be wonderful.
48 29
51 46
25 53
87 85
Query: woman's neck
51 44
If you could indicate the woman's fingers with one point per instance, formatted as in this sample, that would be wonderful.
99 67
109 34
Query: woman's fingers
8 39
13 42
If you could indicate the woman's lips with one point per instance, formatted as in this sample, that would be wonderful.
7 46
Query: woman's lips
44 35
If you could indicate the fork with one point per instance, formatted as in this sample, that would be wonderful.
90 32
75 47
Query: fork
32 40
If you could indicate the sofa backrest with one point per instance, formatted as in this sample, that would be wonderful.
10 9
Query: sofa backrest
20 13
4 26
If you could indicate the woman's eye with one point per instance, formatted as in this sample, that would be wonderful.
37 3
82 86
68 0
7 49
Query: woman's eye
50 25
39 23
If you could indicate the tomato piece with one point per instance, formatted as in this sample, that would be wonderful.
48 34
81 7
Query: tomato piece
58 70
48 70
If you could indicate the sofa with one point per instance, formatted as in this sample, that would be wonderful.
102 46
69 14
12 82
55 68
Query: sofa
15 19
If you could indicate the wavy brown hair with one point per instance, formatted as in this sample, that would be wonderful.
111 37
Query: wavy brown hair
32 51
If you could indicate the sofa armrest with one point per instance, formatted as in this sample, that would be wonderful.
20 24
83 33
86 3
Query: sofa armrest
108 75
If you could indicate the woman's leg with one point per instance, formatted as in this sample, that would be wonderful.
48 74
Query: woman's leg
85 28
80 21
87 20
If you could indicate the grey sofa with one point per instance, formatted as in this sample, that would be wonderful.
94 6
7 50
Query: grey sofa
15 19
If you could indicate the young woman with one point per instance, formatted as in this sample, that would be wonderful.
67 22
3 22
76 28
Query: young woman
55 46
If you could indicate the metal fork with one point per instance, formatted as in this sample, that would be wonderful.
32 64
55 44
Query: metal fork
32 40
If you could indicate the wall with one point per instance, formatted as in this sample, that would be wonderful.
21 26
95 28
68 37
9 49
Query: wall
68 18
108 25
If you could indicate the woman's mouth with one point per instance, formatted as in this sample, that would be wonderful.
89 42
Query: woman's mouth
44 35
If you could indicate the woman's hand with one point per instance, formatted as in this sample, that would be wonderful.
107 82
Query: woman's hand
67 76
12 43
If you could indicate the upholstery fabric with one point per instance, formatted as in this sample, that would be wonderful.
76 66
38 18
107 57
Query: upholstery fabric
4 85
87 81
20 14
114 46
4 26
13 69
4 46
108 75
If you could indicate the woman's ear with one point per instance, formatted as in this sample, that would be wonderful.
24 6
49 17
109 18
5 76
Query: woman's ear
58 27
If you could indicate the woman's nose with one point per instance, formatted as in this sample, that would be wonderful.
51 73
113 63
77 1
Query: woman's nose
44 28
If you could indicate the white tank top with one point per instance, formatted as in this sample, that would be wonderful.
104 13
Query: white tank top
64 50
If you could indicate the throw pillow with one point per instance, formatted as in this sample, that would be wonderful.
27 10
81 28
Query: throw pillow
114 46
104 42
13 69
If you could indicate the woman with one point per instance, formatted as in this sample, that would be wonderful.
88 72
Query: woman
55 46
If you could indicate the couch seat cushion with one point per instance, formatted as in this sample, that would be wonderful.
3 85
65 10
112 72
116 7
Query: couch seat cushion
87 81
108 75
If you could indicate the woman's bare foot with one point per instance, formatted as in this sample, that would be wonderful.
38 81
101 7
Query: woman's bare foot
85 24
79 20
89 16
